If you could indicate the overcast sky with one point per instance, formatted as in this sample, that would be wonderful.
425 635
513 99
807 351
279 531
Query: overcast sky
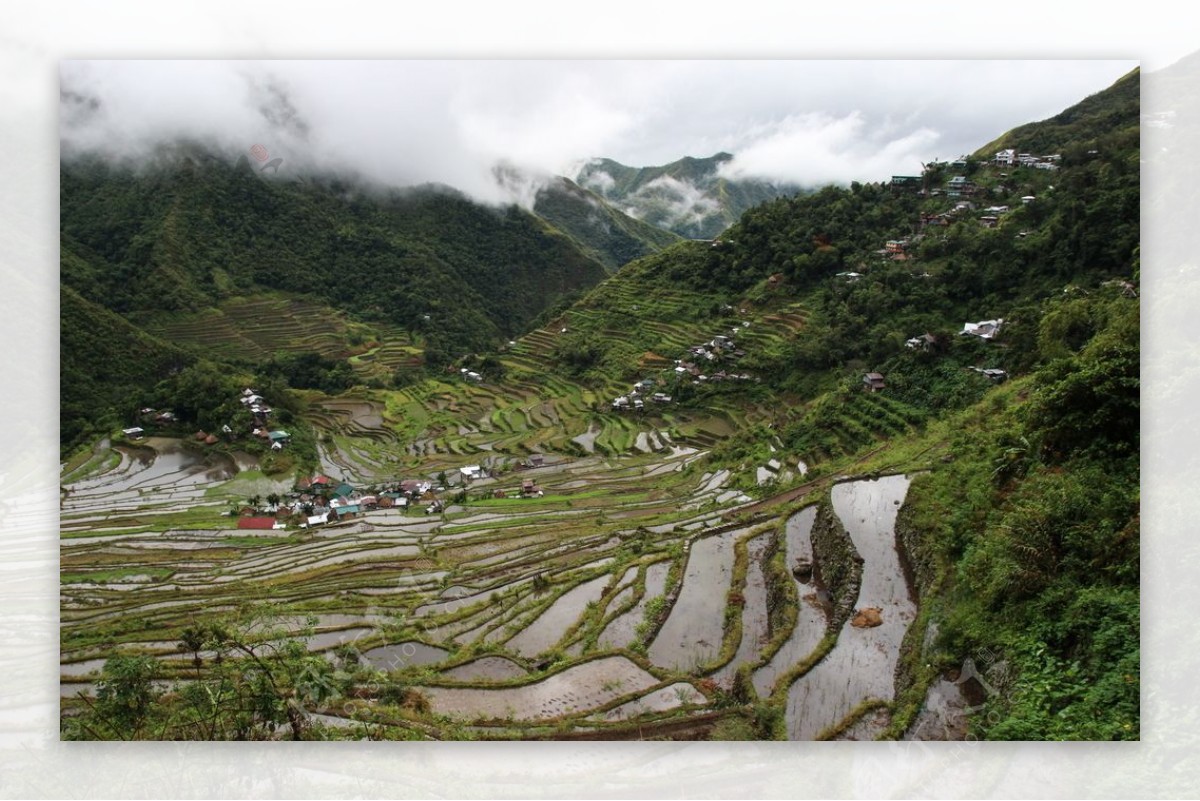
406 122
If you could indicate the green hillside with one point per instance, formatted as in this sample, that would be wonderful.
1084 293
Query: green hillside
105 364
1109 118
389 279
187 233
605 234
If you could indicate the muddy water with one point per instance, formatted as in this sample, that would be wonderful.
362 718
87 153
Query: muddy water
660 700
715 482
588 439
455 604
754 613
863 663
332 639
550 626
329 467
811 616
403 655
693 631
161 465
78 669
486 668
577 689
621 631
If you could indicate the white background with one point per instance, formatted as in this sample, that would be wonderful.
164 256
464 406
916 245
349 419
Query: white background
34 764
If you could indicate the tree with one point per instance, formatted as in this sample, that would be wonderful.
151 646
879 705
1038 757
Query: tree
125 698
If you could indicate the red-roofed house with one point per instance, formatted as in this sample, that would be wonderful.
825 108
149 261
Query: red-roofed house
267 523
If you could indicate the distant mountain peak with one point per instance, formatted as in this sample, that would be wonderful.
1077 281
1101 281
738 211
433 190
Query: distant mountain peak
689 197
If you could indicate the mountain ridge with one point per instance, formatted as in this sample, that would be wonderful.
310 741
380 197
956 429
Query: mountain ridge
688 196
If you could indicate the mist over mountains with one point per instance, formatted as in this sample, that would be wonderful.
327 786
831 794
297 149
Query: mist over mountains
691 197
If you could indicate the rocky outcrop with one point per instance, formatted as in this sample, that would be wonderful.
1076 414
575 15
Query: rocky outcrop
838 566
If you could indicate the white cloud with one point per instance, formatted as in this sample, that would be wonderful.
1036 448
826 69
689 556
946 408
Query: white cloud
598 181
681 201
452 122
818 148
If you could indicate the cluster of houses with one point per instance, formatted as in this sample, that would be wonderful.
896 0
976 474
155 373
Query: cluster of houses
984 329
636 398
254 403
1011 158
149 414
319 500
720 348
261 412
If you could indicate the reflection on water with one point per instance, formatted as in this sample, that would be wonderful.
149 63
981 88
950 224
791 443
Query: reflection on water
862 665
694 629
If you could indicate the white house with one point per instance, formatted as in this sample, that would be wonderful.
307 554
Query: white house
985 329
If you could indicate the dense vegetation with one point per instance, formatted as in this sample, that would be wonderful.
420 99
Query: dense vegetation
105 364
1033 529
607 235
189 231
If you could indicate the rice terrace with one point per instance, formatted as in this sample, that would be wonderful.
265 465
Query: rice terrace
344 461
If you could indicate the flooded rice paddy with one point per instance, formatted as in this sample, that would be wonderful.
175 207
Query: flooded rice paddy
535 609
862 664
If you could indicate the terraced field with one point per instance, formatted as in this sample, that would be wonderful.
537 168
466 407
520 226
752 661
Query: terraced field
615 590
257 327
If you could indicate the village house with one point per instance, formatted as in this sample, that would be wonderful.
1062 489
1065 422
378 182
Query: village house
924 342
985 329
415 488
959 186
259 523
316 520
873 382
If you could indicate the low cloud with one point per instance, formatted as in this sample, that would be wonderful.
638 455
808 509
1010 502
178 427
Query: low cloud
679 201
817 148
403 123
599 181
